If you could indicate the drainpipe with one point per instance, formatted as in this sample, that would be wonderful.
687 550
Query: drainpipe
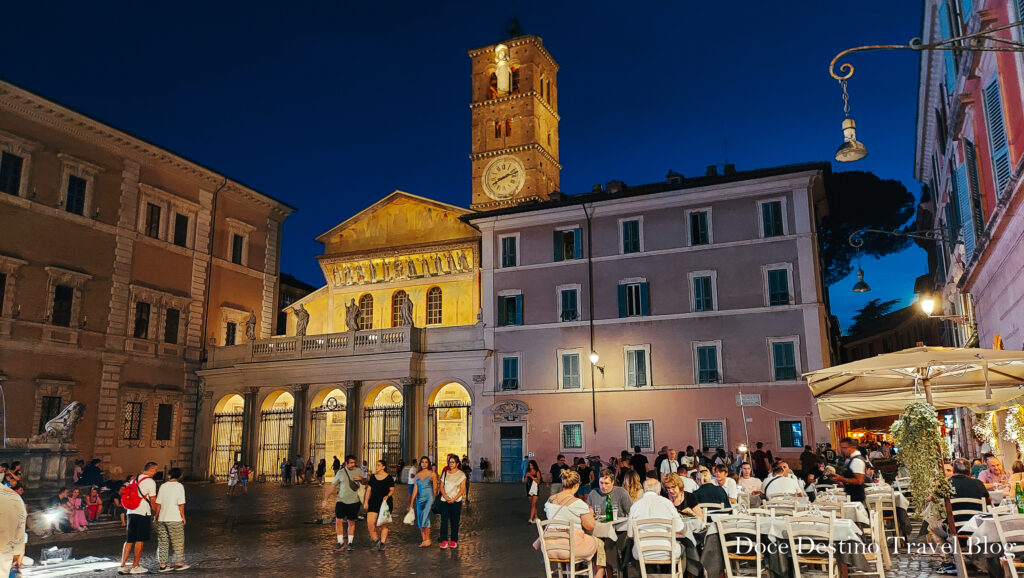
590 317
206 314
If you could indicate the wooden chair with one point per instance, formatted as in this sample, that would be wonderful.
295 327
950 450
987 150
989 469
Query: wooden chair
655 543
879 557
808 536
885 503
878 536
738 533
784 506
1010 528
553 537
708 507
959 512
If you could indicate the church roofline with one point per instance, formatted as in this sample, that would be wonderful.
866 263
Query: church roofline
323 238
517 41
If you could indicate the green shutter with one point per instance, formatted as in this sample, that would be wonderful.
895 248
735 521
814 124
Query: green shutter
622 300
519 309
645 300
577 237
502 311
641 367
559 254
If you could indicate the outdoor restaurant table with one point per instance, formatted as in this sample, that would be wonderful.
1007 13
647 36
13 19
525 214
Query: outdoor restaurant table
983 530
613 540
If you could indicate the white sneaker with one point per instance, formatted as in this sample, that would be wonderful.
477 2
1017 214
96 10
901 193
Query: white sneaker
139 570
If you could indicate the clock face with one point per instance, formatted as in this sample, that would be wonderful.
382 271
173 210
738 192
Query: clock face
504 177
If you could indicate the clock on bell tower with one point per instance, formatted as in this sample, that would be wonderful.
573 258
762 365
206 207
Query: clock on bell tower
515 124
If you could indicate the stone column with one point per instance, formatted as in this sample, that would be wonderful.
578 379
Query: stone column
250 426
202 433
353 419
299 445
411 435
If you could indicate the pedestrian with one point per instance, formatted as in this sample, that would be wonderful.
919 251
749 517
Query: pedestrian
556 474
243 477
284 471
761 461
336 465
346 505
232 479
308 476
639 462
140 517
422 498
533 481
467 468
380 492
586 477
453 489
93 503
12 530
170 522
300 470
853 477
321 469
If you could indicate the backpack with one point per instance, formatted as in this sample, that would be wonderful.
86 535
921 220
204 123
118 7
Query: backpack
131 497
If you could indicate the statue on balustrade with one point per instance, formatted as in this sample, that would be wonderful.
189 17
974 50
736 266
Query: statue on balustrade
405 313
250 327
352 315
301 319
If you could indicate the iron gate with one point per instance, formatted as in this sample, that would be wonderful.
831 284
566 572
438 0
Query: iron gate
275 441
328 414
383 427
225 444
452 412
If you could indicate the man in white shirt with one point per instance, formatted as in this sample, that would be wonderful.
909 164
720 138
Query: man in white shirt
140 521
779 484
170 522
728 484
669 465
688 459
653 505
689 485
12 528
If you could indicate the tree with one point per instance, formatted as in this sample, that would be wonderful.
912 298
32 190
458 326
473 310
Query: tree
874 309
859 199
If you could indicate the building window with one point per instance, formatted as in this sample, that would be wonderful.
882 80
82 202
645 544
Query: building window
510 310
515 80
164 421
508 127
366 312
509 251
181 230
712 433
74 201
772 221
791 434
172 318
568 304
634 299
509 373
238 241
783 360
631 232
3 292
10 173
571 436
497 129
434 306
398 298
237 245
703 291
568 244
638 371
778 286
142 310
50 408
132 420
230 333
153 220
63 299
700 227
569 370
640 433
708 362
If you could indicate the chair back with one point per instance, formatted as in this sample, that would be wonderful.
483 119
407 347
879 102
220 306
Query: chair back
707 507
964 509
810 543
1010 528
783 506
655 542
740 536
881 553
554 535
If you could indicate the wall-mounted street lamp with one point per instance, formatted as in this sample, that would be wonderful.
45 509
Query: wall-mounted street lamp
981 41
857 242
927 305
594 358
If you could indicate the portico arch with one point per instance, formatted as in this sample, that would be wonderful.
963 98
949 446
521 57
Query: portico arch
449 424
226 438
328 416
276 421
384 425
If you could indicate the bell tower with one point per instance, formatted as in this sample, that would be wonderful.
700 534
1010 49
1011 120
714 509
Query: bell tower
515 124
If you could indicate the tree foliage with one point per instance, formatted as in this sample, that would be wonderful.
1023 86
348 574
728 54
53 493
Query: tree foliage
859 199
871 310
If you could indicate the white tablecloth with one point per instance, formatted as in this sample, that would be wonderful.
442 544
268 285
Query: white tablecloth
610 530
775 527
983 528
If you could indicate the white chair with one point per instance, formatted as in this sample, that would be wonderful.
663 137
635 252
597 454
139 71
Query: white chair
885 503
738 534
784 506
553 540
879 557
655 544
1010 528
810 538
961 511
708 507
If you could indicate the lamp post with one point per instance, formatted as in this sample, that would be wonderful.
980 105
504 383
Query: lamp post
981 41
856 241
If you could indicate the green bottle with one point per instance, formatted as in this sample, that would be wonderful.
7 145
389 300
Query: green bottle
1019 495
608 504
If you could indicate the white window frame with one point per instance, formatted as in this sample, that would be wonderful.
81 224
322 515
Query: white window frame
634 281
16 145
159 302
561 438
795 339
558 301
518 356
559 366
778 434
501 249
717 344
789 281
236 227
714 289
73 279
565 228
760 217
626 349
725 430
650 427
640 232
75 167
689 232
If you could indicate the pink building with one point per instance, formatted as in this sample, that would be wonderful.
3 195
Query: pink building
970 149
689 291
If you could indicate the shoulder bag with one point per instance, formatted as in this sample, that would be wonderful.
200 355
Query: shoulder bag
435 508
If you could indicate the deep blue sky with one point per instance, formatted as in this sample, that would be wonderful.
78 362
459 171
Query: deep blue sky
329 106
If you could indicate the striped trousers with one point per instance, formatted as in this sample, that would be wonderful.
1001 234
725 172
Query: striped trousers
170 535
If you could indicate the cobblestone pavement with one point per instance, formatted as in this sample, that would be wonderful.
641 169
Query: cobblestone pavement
266 534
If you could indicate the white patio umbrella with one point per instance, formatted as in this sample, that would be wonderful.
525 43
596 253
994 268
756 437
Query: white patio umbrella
983 379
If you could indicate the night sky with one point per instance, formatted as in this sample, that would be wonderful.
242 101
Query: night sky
330 106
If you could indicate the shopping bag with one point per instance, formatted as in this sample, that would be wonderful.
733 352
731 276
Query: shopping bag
533 488
410 518
384 517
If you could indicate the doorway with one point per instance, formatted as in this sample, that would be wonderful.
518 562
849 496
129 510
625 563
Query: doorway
511 453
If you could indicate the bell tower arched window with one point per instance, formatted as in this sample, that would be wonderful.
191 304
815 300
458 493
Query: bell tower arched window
366 312
434 306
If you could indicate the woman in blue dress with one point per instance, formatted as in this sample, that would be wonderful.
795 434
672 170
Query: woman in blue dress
422 499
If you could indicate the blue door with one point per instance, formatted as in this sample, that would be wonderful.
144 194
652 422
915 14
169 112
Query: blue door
512 454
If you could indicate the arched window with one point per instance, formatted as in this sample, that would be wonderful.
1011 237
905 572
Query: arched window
497 129
434 306
397 300
366 312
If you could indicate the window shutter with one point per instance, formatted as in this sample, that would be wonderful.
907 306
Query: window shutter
622 300
641 367
949 58
630 367
997 137
627 237
971 155
963 199
519 309
502 311
559 254
645 300
577 236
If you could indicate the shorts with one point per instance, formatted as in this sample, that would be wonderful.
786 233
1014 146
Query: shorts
244 479
343 511
231 482
139 527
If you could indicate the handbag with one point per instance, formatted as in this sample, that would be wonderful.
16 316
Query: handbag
533 488
384 517
435 508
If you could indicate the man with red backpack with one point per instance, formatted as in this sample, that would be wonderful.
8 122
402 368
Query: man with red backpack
136 497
